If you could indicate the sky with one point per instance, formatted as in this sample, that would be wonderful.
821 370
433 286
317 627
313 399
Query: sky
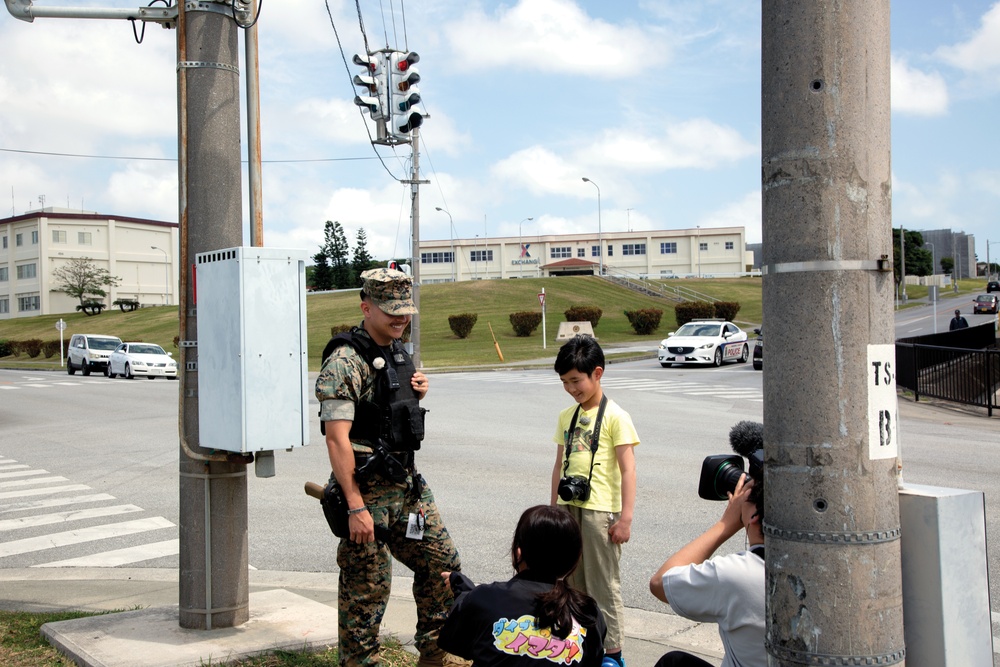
656 101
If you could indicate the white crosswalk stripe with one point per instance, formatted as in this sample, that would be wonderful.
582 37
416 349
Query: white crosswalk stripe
27 499
83 535
664 386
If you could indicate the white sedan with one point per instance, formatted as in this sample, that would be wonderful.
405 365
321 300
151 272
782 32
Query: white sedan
132 359
704 342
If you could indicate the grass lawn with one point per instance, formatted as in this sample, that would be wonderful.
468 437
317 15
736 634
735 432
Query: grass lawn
22 645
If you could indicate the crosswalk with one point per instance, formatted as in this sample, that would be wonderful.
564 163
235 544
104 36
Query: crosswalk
9 382
685 387
45 517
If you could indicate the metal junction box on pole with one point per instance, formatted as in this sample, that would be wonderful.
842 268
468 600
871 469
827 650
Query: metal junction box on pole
252 353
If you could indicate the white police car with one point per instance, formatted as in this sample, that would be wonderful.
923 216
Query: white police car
704 342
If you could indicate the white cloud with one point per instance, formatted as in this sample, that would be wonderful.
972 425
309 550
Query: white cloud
551 36
698 143
981 52
745 212
917 92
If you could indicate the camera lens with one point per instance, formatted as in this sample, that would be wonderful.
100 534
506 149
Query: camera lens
719 476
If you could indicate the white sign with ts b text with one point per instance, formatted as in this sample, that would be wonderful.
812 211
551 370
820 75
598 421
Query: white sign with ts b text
883 406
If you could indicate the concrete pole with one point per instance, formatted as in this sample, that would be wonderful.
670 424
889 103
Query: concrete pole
834 591
415 262
214 587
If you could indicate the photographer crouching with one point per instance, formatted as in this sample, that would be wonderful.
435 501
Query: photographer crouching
727 590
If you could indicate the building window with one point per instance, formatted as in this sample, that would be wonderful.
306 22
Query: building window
4 277
84 238
5 242
58 236
668 248
19 240
729 245
34 237
25 271
611 250
4 306
26 303
595 251
481 256
437 257
703 246
581 252
633 249
561 252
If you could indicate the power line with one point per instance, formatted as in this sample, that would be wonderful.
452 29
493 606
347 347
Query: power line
136 158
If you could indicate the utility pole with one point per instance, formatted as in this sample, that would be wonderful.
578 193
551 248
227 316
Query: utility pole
214 580
831 517
415 183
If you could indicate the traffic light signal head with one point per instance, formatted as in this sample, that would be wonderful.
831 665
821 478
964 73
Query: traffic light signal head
372 80
404 111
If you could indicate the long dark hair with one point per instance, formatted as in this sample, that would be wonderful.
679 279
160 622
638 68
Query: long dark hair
547 541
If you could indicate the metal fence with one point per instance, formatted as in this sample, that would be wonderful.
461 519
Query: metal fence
960 366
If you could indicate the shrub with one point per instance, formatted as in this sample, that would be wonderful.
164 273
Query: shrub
525 322
339 329
15 347
5 350
49 348
686 311
461 325
32 347
727 309
590 314
645 320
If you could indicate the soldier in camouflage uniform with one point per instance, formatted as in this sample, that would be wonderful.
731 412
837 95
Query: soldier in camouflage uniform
365 564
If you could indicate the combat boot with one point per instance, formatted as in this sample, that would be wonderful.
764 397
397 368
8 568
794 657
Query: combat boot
442 659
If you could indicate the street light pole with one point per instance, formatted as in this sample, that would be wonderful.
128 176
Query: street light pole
699 250
520 249
166 275
933 270
600 244
451 232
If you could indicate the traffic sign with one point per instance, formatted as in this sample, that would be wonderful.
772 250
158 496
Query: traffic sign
541 299
61 325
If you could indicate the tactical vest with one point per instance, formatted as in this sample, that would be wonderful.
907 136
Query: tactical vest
394 413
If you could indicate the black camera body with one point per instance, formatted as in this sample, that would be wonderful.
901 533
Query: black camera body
574 488
721 473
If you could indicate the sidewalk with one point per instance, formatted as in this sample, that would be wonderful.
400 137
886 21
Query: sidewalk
288 610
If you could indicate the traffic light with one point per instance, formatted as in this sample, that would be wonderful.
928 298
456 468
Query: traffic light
404 96
373 82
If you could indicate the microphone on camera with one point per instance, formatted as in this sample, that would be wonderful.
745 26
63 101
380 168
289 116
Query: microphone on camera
746 437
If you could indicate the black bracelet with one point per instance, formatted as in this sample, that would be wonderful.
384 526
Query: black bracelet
357 511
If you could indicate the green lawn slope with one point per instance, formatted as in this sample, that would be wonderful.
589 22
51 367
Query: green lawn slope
492 300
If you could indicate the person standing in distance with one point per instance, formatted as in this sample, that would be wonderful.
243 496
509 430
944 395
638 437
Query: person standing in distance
594 479
958 322
356 399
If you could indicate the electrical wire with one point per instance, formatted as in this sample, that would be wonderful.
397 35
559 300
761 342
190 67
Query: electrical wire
385 29
347 68
141 36
246 26
392 15
361 24
173 159
406 40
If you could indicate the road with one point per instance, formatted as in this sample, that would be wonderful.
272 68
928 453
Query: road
112 445
935 318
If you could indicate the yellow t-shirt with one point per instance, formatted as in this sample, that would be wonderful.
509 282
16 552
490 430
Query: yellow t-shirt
616 430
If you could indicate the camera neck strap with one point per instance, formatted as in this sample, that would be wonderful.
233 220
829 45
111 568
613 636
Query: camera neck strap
595 436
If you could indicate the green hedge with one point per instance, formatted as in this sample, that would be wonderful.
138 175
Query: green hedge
590 314
727 310
686 311
461 325
645 320
525 322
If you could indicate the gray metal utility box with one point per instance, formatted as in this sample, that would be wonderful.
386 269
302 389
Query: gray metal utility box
252 353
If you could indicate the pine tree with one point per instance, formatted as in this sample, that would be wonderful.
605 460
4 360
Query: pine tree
322 276
361 261
338 250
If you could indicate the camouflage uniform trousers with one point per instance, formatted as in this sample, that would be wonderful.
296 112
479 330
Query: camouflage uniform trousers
366 574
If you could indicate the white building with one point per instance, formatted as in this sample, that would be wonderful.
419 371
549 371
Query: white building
142 254
648 254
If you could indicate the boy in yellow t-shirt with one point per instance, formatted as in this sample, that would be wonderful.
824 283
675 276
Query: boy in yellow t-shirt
594 479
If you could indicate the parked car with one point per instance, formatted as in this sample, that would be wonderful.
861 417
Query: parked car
89 352
132 359
758 351
992 286
704 342
985 303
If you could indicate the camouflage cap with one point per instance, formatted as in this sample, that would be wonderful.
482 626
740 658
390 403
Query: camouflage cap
390 290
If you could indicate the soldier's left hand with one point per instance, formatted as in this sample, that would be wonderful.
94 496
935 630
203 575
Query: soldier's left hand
419 384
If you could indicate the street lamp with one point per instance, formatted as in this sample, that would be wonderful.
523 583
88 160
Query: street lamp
166 275
989 266
451 231
699 250
520 248
600 245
